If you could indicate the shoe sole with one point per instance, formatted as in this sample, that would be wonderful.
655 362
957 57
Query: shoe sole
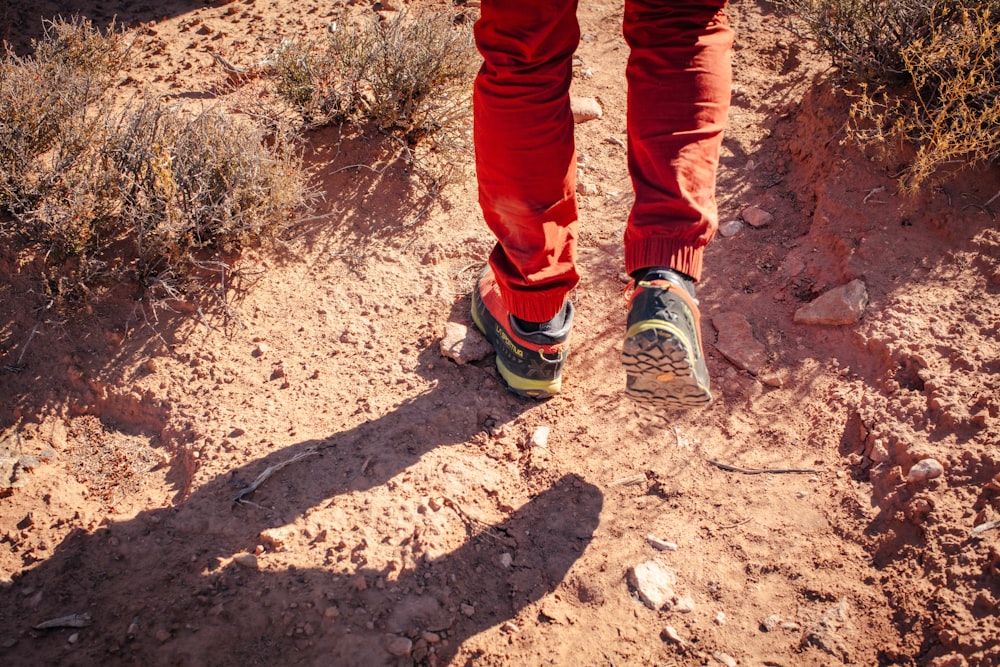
659 371
537 389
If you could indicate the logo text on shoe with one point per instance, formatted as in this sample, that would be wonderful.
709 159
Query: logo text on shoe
508 342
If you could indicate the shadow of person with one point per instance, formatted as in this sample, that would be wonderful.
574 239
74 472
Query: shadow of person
163 587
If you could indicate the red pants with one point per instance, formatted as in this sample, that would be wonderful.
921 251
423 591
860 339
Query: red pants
679 78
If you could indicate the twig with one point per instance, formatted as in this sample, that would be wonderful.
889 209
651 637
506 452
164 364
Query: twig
760 471
630 481
483 527
71 621
992 199
733 525
263 477
983 527
871 193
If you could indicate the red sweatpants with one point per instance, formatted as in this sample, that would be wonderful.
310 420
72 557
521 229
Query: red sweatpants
679 78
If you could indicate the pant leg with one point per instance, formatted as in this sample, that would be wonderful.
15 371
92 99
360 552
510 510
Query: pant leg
525 154
679 85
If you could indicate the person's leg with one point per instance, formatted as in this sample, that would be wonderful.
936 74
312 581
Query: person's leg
679 84
525 155
679 77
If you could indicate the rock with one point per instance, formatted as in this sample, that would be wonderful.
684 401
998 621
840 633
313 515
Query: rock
261 349
540 438
659 544
924 470
464 344
399 646
430 637
246 560
162 635
731 228
509 626
720 618
506 560
756 217
826 634
684 605
587 189
736 342
585 109
671 634
331 613
841 305
468 610
771 623
653 583
725 659
277 539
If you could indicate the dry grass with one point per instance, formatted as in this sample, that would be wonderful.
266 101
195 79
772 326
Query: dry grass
928 74
104 193
409 76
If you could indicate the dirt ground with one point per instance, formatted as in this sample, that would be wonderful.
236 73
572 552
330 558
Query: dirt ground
405 515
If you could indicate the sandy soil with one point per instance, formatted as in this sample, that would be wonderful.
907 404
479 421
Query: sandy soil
415 522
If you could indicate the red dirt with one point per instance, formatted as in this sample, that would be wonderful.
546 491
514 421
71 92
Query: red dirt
420 512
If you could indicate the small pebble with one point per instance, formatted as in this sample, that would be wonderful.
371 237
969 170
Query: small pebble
731 228
399 646
924 470
248 561
684 604
506 560
510 627
73 638
468 610
771 623
670 633
725 659
720 618
662 545
540 438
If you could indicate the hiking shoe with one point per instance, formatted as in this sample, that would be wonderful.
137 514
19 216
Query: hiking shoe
529 363
662 353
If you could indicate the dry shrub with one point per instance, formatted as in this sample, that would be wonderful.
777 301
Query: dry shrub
46 100
409 76
137 192
928 73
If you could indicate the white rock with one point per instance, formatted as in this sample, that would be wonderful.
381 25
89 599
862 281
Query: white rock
720 618
464 344
670 633
654 583
684 605
506 560
725 659
540 438
731 228
924 470
771 623
662 545
585 109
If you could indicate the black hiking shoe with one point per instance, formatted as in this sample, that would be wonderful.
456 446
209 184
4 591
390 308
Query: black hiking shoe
529 363
662 353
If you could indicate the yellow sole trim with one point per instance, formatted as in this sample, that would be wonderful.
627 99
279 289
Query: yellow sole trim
650 325
530 387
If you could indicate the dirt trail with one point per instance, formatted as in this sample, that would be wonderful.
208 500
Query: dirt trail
420 525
